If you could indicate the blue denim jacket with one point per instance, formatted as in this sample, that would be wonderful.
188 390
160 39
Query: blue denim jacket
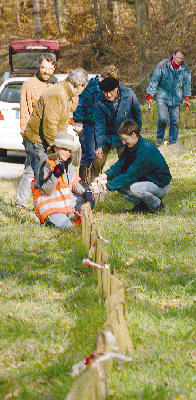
107 121
169 85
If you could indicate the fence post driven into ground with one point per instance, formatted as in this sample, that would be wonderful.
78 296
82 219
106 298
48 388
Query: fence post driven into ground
114 340
86 224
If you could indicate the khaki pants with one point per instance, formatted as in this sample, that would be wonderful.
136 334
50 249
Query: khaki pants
98 163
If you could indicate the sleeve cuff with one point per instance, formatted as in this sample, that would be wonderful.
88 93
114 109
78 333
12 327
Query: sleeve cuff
149 97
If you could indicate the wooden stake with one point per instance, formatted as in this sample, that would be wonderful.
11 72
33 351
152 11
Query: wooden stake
93 247
86 224
116 323
104 261
88 233
98 261
116 285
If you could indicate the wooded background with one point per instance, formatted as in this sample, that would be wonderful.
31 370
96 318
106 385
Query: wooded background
133 35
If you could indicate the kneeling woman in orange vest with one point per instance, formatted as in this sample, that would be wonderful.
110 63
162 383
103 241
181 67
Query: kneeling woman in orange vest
58 193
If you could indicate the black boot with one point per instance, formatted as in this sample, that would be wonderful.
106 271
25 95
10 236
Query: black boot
83 172
140 207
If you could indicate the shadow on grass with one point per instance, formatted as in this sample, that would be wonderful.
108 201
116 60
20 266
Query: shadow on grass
51 378
35 259
43 254
40 265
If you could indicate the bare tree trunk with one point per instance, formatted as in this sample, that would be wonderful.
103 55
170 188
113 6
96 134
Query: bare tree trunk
18 12
108 9
113 8
58 12
36 14
116 16
97 20
142 21
164 5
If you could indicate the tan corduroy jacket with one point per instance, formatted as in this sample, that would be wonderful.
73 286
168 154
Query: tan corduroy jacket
30 93
51 114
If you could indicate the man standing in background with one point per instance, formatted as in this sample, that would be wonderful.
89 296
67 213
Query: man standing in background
85 115
115 104
169 85
30 93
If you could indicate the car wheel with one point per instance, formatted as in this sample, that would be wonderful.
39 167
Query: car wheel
3 153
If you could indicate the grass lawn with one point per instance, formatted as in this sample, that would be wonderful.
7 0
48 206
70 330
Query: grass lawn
50 312
155 256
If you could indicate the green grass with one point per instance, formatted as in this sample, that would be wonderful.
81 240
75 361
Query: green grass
155 256
50 312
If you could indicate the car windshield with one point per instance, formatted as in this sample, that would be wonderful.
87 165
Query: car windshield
11 92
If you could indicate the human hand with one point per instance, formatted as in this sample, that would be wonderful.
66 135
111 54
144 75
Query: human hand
59 170
99 152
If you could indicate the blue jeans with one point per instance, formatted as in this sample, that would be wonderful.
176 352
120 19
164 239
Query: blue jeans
24 186
59 220
146 191
165 113
62 221
36 155
87 140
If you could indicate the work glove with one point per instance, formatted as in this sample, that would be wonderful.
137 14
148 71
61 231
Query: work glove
59 169
187 102
88 196
149 98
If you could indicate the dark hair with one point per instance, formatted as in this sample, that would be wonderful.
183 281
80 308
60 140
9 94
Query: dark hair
180 51
129 127
50 57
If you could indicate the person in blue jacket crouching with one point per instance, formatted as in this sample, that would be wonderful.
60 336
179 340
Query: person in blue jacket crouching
141 174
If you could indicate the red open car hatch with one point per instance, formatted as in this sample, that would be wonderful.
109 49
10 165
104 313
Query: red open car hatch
24 54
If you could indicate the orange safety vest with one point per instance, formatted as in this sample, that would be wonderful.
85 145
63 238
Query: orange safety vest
58 202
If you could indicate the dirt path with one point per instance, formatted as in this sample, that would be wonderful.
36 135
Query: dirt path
12 166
